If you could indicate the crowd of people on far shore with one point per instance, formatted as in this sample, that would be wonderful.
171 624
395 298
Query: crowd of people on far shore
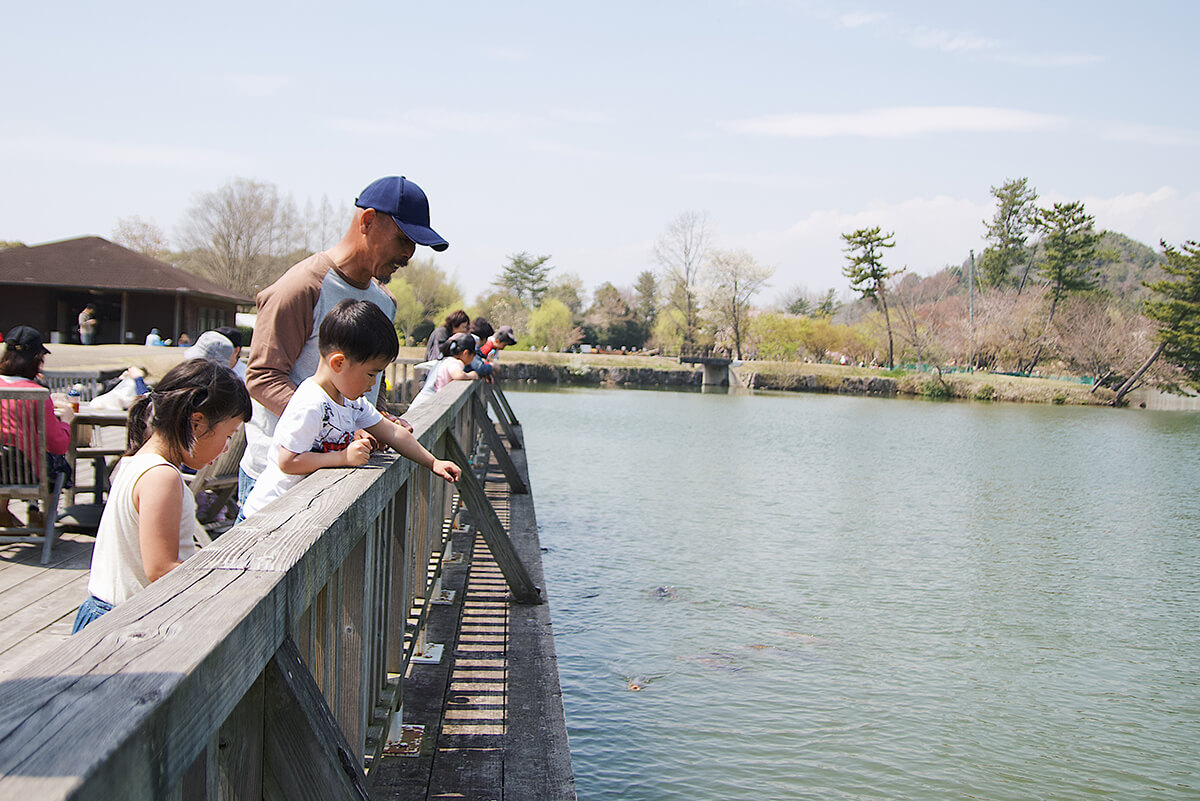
310 395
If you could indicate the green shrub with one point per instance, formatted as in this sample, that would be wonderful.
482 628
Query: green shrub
1059 399
935 390
985 393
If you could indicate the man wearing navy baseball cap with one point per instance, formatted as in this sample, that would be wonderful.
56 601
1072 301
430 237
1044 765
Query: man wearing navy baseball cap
391 217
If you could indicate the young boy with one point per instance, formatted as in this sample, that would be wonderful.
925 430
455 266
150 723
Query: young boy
356 342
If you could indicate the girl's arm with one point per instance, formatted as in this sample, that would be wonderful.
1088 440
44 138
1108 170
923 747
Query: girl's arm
457 373
158 498
404 443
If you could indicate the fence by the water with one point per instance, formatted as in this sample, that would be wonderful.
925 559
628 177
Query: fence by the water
270 664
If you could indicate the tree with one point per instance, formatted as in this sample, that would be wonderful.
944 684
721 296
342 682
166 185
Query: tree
611 317
569 289
527 277
734 278
551 326
409 311
867 274
1008 231
432 288
241 236
143 236
5 244
1178 315
681 252
1069 245
828 304
645 292
777 336
920 311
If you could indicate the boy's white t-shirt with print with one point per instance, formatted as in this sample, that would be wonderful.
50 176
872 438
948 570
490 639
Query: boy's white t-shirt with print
312 422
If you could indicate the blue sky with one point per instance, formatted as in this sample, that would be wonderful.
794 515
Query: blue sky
581 131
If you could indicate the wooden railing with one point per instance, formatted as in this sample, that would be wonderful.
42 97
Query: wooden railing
266 666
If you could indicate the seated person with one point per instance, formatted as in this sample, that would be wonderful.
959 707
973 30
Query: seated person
458 352
318 427
24 353
154 339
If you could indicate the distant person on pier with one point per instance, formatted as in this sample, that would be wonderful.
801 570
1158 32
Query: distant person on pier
457 322
498 341
458 351
480 330
391 218
317 429
154 339
149 520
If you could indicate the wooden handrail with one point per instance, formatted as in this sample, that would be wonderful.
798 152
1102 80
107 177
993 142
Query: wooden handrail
262 666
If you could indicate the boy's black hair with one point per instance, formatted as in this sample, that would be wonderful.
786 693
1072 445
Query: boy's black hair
196 385
358 329
457 344
481 328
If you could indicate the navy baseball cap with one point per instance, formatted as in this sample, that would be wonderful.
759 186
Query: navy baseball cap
404 202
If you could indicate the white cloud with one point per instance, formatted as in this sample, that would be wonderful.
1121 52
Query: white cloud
930 233
900 121
949 41
259 85
82 150
1165 213
1155 135
857 19
432 122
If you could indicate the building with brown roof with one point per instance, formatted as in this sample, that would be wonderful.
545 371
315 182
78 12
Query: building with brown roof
46 286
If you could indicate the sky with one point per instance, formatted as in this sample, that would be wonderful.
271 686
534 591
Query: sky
582 131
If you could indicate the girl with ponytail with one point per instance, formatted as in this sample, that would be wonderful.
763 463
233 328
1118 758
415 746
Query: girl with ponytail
149 519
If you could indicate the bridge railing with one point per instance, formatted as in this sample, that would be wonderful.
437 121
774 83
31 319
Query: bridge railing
263 667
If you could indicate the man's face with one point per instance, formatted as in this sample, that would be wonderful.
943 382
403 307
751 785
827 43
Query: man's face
391 248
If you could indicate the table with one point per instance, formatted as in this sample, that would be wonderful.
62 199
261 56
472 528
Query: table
97 448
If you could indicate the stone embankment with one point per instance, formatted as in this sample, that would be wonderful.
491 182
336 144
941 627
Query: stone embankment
590 375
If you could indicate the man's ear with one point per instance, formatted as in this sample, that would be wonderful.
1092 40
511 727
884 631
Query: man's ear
366 220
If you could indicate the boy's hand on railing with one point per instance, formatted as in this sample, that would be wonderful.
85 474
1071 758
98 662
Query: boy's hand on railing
358 452
447 470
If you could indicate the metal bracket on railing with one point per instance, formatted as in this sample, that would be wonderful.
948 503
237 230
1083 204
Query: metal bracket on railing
504 413
485 424
497 539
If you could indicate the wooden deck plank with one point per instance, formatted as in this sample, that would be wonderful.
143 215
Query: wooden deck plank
495 726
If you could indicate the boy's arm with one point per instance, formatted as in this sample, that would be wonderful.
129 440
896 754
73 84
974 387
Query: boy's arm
301 464
404 443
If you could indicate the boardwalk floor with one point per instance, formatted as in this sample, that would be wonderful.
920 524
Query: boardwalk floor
490 712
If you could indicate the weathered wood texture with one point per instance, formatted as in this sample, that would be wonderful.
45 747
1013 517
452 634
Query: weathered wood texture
138 705
493 718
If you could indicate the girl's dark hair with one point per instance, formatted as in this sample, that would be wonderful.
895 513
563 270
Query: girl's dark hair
193 386
456 318
457 344
481 328
21 362
359 329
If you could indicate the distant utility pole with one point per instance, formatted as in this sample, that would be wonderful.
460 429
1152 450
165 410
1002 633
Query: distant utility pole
971 315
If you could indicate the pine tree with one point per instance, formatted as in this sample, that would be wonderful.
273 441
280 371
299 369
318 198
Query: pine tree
867 274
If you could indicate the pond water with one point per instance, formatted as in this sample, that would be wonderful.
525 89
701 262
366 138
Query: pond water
808 596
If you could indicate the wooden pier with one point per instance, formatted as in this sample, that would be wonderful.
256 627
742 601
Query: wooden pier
296 658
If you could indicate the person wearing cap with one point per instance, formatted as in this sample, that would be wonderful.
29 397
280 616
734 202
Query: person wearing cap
24 353
457 353
391 218
234 335
213 346
498 341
